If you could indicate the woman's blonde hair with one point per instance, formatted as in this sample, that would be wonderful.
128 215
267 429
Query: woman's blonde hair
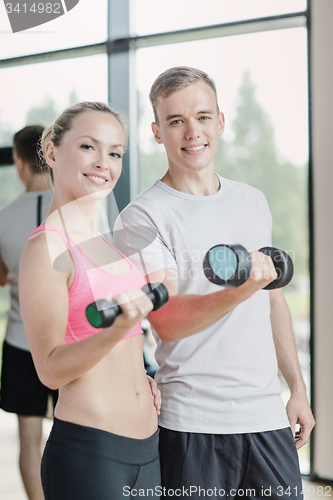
64 122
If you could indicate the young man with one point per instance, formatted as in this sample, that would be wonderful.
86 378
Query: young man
224 430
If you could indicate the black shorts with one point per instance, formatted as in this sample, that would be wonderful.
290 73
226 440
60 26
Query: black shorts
247 466
21 390
83 463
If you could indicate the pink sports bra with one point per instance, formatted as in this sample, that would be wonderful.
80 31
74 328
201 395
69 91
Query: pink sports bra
92 283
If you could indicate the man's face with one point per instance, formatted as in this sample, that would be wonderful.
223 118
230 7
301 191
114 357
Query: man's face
189 125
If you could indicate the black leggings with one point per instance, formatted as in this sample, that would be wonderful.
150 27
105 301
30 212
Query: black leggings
82 463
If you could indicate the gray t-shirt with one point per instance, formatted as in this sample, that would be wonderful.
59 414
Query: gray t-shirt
18 219
224 379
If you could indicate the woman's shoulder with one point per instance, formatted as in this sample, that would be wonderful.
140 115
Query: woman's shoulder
45 247
47 236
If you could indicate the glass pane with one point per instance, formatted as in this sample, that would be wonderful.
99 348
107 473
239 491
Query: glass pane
262 86
174 15
10 184
85 24
37 93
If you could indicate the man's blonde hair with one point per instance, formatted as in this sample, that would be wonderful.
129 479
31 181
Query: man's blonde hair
177 78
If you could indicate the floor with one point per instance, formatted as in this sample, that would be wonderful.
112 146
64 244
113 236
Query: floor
11 487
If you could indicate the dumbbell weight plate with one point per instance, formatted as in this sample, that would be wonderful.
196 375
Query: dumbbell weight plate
227 265
102 313
93 315
283 266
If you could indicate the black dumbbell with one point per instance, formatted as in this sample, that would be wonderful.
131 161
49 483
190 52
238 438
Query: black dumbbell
230 266
103 313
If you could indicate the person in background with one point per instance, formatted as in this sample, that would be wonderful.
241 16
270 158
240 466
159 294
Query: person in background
22 392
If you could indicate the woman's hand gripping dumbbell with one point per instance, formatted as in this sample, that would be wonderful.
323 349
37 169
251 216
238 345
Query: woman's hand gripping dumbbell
230 266
103 313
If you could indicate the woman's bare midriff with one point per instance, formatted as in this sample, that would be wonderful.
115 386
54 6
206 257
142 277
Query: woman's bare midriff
114 396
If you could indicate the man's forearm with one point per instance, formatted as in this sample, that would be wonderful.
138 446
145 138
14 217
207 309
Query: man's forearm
284 341
298 409
186 315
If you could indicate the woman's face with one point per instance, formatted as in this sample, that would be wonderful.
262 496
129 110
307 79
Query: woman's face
89 159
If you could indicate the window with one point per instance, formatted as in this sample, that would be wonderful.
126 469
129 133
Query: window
156 16
276 62
39 92
83 25
10 185
262 87
256 51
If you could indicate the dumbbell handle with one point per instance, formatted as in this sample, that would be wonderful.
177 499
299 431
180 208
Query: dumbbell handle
103 313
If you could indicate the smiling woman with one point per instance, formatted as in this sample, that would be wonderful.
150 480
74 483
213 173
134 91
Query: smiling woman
105 410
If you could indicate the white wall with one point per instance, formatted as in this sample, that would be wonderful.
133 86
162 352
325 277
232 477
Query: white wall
322 113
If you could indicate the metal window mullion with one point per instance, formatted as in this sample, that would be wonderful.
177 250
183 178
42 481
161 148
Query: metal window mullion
120 74
222 30
57 55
